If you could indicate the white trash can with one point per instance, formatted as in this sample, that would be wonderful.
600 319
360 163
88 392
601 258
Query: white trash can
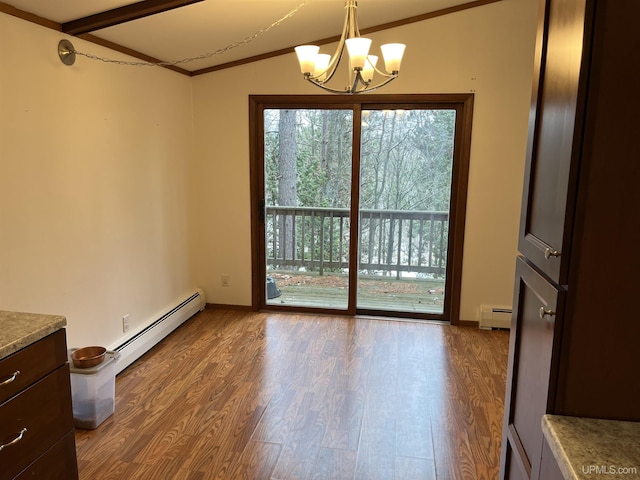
93 392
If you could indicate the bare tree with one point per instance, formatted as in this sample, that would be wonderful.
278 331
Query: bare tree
287 178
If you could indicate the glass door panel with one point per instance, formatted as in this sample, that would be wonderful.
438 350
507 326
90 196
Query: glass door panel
406 164
307 192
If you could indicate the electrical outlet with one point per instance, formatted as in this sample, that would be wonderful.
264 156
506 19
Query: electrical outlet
125 323
225 280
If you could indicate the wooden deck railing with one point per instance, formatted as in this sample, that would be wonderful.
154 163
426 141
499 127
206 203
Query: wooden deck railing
391 241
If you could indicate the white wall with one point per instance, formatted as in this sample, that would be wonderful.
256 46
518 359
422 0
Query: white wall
487 50
121 189
93 186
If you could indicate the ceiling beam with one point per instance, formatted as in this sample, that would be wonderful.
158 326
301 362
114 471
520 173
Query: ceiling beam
120 15
29 17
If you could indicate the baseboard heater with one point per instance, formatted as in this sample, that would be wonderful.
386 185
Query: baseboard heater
495 317
141 342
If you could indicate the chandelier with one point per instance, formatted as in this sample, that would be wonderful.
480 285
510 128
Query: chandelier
319 68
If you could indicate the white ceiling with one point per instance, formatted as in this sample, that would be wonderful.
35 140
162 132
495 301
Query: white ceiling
210 25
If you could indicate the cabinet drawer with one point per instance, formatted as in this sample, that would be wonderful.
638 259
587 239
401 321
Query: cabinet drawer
27 366
42 413
58 463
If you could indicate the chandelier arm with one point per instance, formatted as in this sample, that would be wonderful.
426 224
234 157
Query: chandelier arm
331 69
385 74
327 89
348 91
375 87
359 80
351 19
333 65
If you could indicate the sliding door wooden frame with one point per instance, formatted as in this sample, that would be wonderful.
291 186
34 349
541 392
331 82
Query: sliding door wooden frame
356 144
462 103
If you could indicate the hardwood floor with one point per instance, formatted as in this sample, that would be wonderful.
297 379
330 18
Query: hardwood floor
236 395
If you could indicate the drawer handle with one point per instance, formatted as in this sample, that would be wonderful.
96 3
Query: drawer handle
15 440
10 379
546 313
550 252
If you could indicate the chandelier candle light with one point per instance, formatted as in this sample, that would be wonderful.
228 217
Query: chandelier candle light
319 68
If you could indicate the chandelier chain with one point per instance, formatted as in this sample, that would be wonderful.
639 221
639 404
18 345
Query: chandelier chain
203 56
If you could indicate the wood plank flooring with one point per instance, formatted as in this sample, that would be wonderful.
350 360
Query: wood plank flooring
237 395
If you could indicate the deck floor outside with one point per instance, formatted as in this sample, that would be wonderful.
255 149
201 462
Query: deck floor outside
375 292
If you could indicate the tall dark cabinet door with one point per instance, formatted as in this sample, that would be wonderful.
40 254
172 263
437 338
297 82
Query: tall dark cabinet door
545 225
600 359
575 333
537 309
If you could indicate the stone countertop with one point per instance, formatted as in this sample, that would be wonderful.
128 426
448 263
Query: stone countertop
19 330
589 448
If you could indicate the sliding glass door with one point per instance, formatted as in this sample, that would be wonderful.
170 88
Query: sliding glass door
307 192
406 164
354 205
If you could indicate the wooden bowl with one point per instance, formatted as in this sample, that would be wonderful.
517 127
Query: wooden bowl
87 357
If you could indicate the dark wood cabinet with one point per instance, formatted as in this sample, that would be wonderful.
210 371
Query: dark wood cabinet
546 220
549 469
36 418
538 305
57 463
579 231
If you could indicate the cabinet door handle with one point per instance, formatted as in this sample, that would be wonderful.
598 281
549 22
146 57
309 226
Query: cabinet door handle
15 440
10 379
550 252
546 313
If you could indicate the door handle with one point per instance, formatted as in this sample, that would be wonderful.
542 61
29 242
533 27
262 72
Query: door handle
15 440
550 252
10 379
546 313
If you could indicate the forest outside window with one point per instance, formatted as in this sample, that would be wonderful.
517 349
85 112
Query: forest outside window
358 205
